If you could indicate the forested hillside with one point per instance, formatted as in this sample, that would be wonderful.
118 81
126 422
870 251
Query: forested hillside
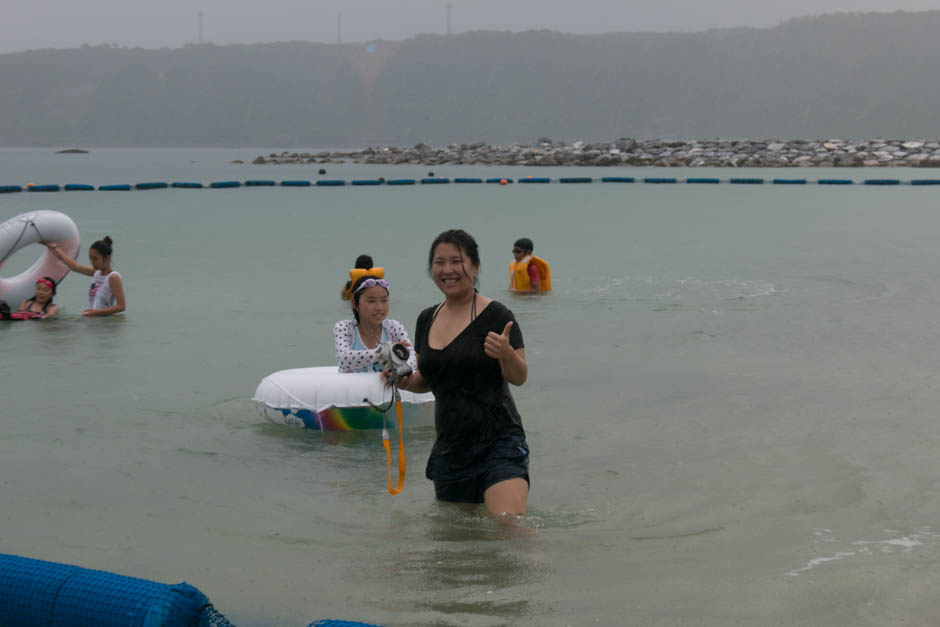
845 75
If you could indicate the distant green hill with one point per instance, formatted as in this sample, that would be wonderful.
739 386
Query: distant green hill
844 75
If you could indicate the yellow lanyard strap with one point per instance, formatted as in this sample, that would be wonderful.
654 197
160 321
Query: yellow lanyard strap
401 453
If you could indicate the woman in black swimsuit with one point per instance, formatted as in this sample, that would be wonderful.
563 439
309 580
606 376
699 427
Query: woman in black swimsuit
40 306
469 349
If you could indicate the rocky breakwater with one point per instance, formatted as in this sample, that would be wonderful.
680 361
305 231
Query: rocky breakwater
631 152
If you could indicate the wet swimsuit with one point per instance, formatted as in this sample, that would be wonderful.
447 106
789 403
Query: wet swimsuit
28 313
480 439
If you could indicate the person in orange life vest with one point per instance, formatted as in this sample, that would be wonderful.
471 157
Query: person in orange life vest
362 268
528 273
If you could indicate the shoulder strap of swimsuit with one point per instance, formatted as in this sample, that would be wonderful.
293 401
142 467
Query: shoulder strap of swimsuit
473 310
33 300
434 316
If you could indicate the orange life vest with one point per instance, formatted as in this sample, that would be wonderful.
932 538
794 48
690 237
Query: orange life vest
519 274
355 274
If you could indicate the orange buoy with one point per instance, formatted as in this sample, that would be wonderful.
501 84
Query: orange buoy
503 182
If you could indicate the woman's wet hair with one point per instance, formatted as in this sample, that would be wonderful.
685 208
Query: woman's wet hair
103 246
465 244
356 295
363 262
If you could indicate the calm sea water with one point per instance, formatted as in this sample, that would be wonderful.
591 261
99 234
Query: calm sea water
732 399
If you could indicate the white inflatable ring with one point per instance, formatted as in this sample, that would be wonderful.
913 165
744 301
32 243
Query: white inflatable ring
35 227
324 398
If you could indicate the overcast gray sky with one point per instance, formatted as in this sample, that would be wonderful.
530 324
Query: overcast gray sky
31 24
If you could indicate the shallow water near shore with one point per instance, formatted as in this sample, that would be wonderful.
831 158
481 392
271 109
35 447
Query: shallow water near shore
731 400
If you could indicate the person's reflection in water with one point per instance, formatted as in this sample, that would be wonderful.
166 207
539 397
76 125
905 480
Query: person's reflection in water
462 563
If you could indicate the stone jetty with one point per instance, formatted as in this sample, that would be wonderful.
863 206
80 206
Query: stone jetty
725 153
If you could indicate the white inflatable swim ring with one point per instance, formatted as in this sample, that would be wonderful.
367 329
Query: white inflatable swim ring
325 399
35 227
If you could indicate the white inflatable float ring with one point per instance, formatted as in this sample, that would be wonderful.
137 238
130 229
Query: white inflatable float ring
35 227
325 399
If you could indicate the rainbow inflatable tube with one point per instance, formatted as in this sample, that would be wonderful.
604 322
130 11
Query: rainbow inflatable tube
325 399
35 227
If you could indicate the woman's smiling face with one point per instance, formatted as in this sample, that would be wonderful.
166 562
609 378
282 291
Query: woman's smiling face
452 272
373 305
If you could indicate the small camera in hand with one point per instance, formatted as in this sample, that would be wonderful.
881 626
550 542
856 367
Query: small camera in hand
393 357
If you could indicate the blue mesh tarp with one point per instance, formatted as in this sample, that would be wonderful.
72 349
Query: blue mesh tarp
38 593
